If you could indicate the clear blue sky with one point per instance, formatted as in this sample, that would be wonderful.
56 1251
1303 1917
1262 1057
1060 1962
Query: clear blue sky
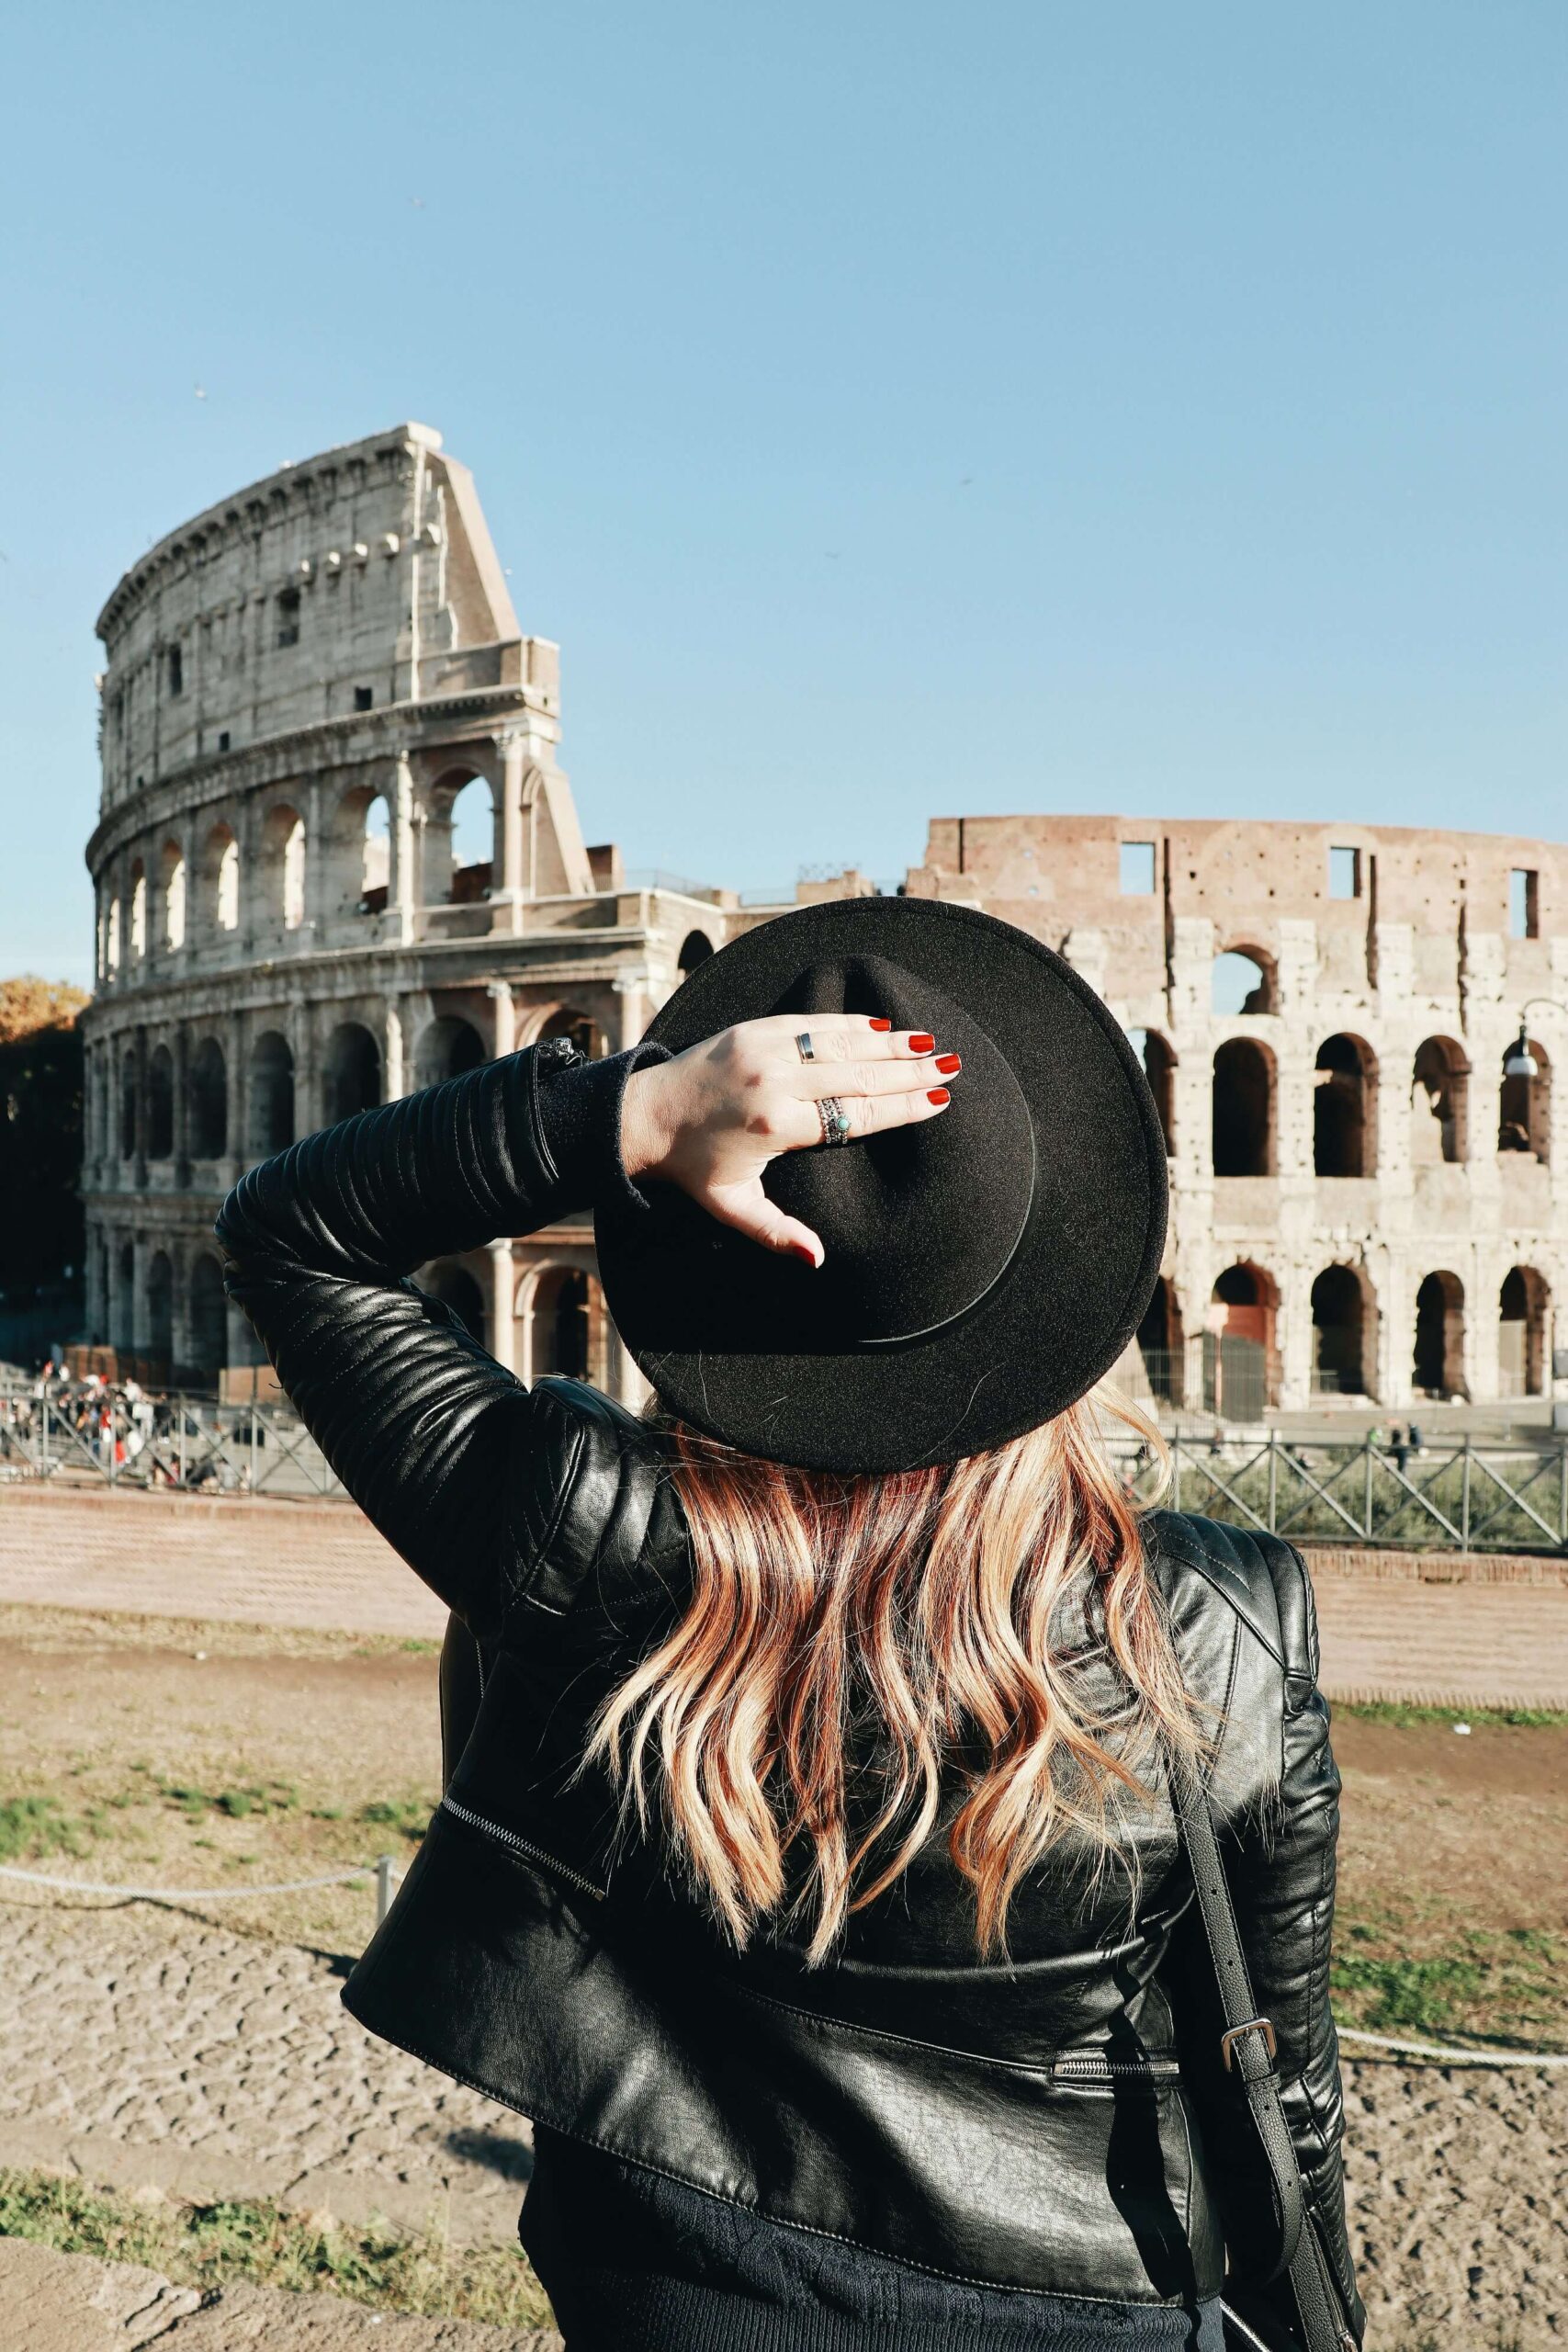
892 409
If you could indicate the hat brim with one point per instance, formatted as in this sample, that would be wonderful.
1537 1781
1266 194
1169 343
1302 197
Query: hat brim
1076 1285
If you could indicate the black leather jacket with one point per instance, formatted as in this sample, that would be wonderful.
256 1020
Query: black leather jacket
1059 2122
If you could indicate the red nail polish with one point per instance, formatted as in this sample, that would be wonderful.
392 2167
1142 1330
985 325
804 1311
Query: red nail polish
881 1025
799 1249
939 1095
948 1063
922 1044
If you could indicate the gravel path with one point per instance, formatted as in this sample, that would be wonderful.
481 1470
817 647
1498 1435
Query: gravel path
141 2050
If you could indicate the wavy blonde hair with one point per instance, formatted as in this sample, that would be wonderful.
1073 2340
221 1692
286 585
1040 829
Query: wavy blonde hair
918 1606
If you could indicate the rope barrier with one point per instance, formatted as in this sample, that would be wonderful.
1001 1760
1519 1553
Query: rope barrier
384 1870
1456 2057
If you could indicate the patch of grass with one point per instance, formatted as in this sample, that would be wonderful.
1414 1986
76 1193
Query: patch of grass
32 1827
409 1816
207 2245
1403 1717
238 1804
1392 1974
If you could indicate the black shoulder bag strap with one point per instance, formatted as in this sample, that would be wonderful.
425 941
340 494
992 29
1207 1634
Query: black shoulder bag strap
1248 2048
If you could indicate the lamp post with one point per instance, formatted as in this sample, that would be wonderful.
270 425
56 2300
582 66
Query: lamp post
1518 1061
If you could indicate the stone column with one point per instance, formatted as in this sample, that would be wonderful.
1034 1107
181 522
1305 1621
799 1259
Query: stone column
502 1287
140 1136
504 1017
506 901
139 1320
235 1093
631 989
394 1041
525 1284
182 1107
317 862
96 1302
403 854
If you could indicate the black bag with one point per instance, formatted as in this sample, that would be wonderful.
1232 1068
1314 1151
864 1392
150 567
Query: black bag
1247 2046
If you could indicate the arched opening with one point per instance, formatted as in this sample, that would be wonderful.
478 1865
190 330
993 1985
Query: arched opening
1243 1109
1438 1368
272 1095
1159 1067
1522 1310
1240 1363
561 1332
1343 1125
111 938
351 1073
127 1107
283 865
209 1319
457 1289
161 1312
124 1317
581 1027
209 1101
1161 1344
376 856
160 1103
448 1047
1242 980
473 842
1439 1091
1524 1106
138 912
695 949
219 871
1341 1334
173 898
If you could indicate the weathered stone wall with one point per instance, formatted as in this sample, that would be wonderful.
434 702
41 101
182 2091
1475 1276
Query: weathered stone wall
1372 1068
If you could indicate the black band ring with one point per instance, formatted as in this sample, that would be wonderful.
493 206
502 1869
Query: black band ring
805 1047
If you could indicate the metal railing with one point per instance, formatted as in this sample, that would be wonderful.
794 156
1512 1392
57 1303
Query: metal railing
189 1444
1463 1493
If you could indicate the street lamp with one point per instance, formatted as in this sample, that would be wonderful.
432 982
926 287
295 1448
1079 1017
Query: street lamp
1518 1061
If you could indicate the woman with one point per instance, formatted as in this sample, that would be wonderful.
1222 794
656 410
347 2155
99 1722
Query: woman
808 1869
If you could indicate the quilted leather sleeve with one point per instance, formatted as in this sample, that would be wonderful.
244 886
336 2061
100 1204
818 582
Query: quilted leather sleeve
425 1429
1281 1872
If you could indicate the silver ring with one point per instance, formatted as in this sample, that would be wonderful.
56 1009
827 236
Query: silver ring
803 1046
835 1119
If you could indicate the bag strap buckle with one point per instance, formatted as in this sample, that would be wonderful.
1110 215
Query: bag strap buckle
1237 2032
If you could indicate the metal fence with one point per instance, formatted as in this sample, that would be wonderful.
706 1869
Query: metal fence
185 1442
1476 1494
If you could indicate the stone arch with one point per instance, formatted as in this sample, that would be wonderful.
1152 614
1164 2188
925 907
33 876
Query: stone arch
172 898
1344 1333
571 1020
1158 1059
355 861
283 865
458 1290
138 911
1439 1359
461 826
1162 1344
1439 1103
207 1319
209 1090
160 1103
219 880
560 1309
1524 1306
1524 1107
161 1312
447 1046
350 1073
1344 1112
1243 980
128 1098
695 949
1241 1358
271 1093
111 938
1243 1135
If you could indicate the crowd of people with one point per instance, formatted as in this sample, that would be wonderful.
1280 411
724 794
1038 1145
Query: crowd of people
119 1424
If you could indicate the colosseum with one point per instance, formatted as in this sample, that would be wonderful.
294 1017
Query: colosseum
336 859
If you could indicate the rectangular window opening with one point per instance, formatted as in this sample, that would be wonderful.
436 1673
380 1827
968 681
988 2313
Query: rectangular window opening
177 671
1344 873
223 740
1138 869
363 697
288 616
1524 903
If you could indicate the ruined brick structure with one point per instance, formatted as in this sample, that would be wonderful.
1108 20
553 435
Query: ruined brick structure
306 687
309 683
1364 1203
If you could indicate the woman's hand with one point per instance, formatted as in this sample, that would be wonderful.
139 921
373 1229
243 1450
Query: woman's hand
712 1119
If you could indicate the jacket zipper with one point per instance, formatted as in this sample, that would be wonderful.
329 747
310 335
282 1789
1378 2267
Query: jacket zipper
555 1054
1093 2066
522 1846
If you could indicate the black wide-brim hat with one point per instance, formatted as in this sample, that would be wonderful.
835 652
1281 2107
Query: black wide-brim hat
983 1269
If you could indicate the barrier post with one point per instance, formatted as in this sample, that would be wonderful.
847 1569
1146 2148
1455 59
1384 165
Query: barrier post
385 1877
